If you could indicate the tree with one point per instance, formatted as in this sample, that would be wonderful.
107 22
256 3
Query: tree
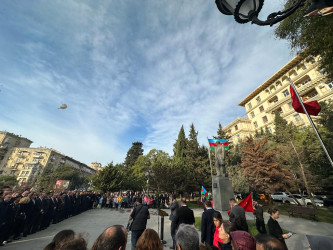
238 179
180 145
281 129
133 153
263 172
7 180
109 179
46 179
221 134
312 36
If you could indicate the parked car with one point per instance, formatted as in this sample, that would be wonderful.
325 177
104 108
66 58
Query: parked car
290 199
318 202
278 196
328 201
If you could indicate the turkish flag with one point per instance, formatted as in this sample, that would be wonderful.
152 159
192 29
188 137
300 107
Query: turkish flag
313 107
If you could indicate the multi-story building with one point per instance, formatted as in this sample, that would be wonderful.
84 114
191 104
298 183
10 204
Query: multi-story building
274 95
9 141
28 163
96 165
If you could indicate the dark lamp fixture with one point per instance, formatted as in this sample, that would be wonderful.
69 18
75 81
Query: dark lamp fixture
320 8
248 10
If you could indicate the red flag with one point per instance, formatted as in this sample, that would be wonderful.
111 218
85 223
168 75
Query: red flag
247 203
313 107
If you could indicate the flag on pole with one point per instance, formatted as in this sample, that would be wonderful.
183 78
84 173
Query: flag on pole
312 107
204 191
247 204
213 143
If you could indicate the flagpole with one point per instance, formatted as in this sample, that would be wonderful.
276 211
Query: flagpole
311 122
210 161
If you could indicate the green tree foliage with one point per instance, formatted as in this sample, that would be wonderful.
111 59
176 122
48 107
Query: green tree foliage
282 132
133 153
238 179
221 134
313 35
109 179
50 175
180 145
260 168
7 180
197 165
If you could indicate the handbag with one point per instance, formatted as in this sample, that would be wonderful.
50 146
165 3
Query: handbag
130 222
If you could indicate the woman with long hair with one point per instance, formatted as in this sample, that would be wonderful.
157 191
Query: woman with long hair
217 219
274 228
149 240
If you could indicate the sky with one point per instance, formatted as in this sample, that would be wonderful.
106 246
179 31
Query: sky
128 71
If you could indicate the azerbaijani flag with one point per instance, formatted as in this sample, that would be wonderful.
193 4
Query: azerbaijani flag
204 191
213 143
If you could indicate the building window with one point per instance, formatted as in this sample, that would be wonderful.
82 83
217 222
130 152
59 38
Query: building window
255 124
252 114
236 127
261 108
330 85
258 99
285 92
229 131
290 105
269 129
265 120
249 106
297 117
12 172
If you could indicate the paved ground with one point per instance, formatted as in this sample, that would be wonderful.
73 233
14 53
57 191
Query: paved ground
93 223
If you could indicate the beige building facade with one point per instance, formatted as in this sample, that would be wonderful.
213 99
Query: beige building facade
96 165
274 95
28 163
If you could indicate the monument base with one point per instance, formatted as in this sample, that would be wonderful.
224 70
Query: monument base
222 193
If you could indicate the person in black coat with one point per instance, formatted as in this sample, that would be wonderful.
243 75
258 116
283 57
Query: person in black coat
207 224
274 228
184 214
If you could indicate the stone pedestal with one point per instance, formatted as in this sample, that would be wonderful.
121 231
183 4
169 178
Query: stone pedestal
222 193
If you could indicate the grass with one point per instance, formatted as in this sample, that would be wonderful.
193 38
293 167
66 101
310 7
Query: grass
193 204
252 226
323 214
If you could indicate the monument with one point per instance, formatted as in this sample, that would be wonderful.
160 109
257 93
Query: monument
221 185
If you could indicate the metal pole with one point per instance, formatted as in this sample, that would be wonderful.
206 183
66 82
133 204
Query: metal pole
311 122
210 161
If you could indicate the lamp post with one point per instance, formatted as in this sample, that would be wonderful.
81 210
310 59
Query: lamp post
248 10
147 175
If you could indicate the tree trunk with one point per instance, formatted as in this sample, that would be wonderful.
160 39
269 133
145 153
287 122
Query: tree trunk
304 178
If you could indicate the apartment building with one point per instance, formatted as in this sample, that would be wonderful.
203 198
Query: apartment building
28 163
9 141
274 95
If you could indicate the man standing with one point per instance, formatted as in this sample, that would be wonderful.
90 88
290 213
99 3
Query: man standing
259 214
237 216
139 215
207 224
184 215
173 207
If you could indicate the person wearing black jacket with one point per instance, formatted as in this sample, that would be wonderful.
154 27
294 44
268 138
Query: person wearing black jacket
274 228
139 215
184 214
259 214
207 224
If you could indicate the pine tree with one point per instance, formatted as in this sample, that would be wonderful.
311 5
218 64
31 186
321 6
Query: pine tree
133 153
180 145
282 133
221 134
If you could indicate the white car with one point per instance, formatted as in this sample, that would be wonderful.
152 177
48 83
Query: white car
298 197
278 196
319 203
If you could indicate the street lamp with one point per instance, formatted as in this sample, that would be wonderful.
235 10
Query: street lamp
248 10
